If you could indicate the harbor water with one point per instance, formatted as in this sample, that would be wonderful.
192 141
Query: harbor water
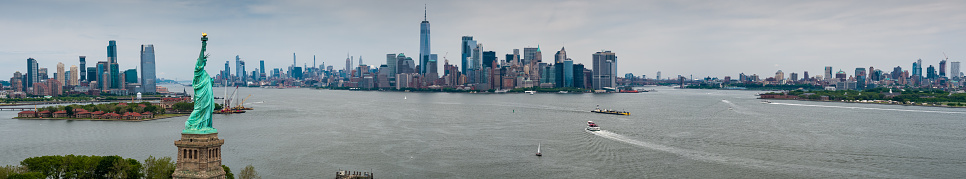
671 133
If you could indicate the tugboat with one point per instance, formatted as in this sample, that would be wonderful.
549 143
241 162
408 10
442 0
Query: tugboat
591 126
608 111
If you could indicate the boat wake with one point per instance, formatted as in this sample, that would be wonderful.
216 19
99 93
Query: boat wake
745 162
881 109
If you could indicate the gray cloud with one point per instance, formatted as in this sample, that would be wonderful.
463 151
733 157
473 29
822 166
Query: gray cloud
703 38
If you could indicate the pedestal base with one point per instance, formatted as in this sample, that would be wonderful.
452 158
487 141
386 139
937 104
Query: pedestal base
199 156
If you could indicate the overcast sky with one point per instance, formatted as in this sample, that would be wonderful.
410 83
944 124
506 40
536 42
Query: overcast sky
700 38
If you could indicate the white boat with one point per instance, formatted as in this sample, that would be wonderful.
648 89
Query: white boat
591 126
538 151
563 92
530 92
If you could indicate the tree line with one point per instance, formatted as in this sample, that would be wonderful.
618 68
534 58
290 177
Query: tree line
115 167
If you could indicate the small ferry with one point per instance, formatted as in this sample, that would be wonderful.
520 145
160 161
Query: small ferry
608 111
591 126
765 101
530 92
563 92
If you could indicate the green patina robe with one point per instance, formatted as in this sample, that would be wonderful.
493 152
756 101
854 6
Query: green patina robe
200 120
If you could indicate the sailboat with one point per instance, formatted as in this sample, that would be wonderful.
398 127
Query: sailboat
538 151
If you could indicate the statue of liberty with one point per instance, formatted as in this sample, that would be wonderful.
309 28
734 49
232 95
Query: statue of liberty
200 120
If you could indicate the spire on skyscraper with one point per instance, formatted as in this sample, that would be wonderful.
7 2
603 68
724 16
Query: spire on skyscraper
424 12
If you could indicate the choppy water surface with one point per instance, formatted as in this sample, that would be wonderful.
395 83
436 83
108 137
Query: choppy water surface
303 133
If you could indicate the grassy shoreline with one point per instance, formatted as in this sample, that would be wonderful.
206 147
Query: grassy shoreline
156 117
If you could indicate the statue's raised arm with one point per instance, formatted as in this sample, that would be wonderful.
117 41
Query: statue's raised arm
200 120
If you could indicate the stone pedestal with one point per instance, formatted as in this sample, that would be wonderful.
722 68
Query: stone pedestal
199 156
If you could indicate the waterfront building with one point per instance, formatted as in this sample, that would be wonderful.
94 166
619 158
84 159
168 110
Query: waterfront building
424 53
32 73
580 76
148 73
83 69
568 73
605 68
74 71
239 69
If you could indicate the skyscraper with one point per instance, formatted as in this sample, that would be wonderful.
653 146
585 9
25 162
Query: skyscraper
261 68
131 76
954 70
115 76
112 65
32 73
605 70
148 74
60 73
860 76
828 73
102 67
466 50
423 44
238 68
74 71
391 61
942 68
111 51
568 73
529 54
83 69
560 56
91 74
227 73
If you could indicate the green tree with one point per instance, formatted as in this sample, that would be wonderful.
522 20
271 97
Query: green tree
158 168
28 175
49 166
182 106
228 174
248 173
9 170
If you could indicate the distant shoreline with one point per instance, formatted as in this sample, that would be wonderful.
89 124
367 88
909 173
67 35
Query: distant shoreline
881 103
165 116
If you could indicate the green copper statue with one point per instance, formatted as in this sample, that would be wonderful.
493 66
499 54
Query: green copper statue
200 120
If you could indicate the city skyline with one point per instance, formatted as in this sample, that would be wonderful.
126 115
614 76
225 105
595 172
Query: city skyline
750 38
